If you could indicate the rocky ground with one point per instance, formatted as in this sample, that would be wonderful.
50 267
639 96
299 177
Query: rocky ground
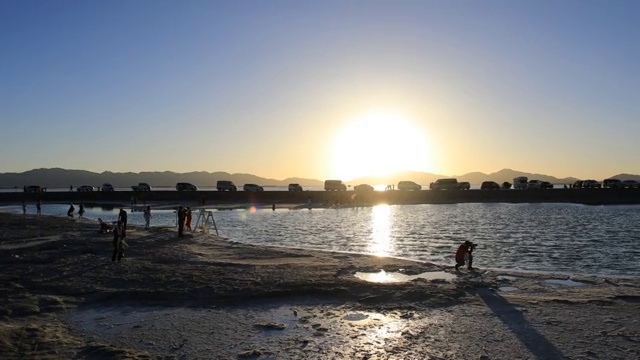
204 297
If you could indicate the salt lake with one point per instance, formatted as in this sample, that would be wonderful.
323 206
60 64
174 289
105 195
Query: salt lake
561 238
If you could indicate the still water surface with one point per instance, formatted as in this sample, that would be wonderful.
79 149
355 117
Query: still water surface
568 238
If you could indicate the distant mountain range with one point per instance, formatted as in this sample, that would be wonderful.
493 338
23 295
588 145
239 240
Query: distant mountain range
55 178
63 178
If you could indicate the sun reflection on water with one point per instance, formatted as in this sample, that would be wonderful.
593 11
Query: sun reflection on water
380 243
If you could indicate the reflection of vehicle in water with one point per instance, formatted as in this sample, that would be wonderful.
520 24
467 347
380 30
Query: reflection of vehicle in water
489 185
520 183
334 185
182 186
444 184
464 185
408 185
295 187
226 185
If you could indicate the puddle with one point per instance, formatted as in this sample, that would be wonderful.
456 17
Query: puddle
356 317
395 277
508 277
567 282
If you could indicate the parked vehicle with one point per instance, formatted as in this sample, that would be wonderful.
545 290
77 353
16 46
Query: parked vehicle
630 184
534 184
182 186
252 188
506 185
577 184
84 188
408 185
521 183
295 187
106 187
613 183
33 189
591 184
546 185
444 184
363 188
141 187
334 185
489 185
464 185
226 185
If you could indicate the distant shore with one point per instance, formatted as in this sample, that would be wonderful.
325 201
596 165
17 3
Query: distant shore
578 196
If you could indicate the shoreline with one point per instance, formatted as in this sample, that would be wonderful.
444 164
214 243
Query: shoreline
443 265
63 298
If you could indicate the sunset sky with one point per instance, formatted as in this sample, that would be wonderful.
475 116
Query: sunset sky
321 89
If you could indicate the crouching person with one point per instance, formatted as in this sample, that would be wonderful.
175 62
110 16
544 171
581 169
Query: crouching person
464 255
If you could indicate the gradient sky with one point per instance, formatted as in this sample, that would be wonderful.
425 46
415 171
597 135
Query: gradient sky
267 87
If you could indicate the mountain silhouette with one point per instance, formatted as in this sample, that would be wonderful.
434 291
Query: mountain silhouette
57 177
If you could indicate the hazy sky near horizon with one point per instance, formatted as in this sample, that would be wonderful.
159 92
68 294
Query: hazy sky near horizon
321 89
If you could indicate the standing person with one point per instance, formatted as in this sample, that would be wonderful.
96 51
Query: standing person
39 207
181 218
118 235
81 211
70 211
122 217
147 217
463 254
188 218
70 187
24 208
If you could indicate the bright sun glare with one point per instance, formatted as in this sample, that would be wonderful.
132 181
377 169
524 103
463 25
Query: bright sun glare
379 144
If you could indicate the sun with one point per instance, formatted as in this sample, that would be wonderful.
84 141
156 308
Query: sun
379 144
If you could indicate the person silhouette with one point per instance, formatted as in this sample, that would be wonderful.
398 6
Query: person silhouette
147 217
122 217
464 255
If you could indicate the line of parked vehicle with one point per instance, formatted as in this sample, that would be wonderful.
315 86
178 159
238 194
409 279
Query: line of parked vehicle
522 182
519 183
607 183
221 185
